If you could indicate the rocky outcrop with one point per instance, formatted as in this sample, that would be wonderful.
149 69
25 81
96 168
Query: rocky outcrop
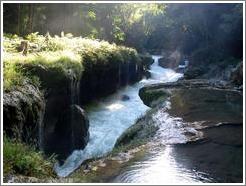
206 103
152 98
55 118
70 132
102 80
23 111
193 72
58 127
171 60
225 70
139 133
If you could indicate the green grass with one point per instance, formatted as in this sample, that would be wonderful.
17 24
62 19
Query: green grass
60 53
12 76
19 158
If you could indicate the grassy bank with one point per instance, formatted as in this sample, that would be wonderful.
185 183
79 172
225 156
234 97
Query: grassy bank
20 159
60 54
48 64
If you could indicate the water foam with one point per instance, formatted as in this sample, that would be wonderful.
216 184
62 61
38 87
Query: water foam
111 116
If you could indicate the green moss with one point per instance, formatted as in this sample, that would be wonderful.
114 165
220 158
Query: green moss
19 158
60 54
138 134
152 97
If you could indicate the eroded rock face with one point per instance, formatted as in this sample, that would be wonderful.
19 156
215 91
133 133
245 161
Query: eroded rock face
23 111
61 130
70 132
104 80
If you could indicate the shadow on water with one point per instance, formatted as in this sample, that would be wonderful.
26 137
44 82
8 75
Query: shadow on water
220 156
217 155
199 138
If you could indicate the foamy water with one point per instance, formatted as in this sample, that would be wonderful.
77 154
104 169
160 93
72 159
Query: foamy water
111 116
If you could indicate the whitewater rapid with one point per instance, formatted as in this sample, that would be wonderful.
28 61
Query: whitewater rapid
111 116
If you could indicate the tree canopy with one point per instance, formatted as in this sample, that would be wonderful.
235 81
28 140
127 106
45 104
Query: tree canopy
147 27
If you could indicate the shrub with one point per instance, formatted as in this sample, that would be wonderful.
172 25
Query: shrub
19 158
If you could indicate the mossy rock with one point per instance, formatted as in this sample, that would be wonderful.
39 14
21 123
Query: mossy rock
146 60
152 97
23 110
138 133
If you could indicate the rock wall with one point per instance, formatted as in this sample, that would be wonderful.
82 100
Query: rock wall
53 117
61 93
103 80
23 111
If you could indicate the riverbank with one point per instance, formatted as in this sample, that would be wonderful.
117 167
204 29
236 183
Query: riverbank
187 114
197 121
46 82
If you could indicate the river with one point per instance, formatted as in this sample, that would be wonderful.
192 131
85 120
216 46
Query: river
177 156
111 116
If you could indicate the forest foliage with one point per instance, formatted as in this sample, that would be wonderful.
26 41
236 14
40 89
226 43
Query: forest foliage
146 27
72 33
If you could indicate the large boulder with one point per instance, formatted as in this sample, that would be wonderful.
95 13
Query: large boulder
152 97
70 132
23 111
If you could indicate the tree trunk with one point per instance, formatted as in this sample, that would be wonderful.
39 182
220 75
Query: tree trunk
30 18
19 20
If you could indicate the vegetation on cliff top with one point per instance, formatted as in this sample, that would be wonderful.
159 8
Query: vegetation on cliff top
59 54
25 160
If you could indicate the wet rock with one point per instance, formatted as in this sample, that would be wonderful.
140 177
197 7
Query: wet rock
146 61
23 111
105 80
147 74
61 91
191 83
70 133
152 98
193 72
140 132
125 97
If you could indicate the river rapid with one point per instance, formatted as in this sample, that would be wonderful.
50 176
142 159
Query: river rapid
111 116
182 153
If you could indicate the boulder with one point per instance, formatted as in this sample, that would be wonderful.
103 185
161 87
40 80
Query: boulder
152 97
125 97
140 132
70 132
